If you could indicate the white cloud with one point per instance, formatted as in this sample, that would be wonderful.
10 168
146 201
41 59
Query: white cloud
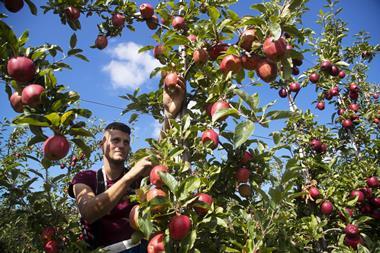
156 129
128 68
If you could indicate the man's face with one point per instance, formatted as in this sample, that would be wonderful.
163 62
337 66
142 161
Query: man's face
116 145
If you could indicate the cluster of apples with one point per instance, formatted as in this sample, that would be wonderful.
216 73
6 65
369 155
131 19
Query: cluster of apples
366 204
23 70
48 238
180 224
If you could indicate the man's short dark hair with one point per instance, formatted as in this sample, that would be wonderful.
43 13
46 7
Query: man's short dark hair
118 126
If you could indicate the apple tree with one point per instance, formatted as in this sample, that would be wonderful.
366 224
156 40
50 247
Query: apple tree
215 186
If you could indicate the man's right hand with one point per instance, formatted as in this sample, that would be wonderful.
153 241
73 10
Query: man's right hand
140 168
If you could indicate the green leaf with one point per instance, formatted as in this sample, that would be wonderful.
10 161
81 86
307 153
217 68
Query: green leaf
224 113
74 51
54 118
275 29
146 48
83 112
80 132
276 194
169 181
188 242
188 186
295 4
73 40
276 137
279 114
176 39
252 100
32 7
33 119
67 117
80 143
260 7
242 132
23 38
36 139
82 57
146 226
213 13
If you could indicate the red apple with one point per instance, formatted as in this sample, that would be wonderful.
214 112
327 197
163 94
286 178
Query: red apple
178 23
376 121
216 50
376 95
347 123
31 95
373 182
200 56
283 93
247 38
294 87
210 136
359 194
315 144
231 63
219 105
56 147
146 10
354 107
366 209
314 77
157 244
242 175
353 87
376 214
245 190
158 51
334 91
16 102
249 62
341 111
320 105
154 177
274 49
203 198
246 158
152 22
14 5
101 42
334 70
179 227
266 70
51 247
155 193
171 80
342 74
351 230
327 207
118 20
353 241
314 192
375 202
295 71
353 94
326 66
72 13
133 217
192 37
21 69
297 62
48 234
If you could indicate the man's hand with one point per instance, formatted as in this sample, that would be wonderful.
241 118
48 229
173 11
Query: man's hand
173 99
141 167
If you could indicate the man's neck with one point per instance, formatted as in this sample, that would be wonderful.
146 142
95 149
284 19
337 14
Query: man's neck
113 170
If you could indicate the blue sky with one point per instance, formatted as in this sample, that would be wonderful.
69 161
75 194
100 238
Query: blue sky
119 69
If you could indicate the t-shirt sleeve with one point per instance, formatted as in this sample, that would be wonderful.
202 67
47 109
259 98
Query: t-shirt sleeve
87 177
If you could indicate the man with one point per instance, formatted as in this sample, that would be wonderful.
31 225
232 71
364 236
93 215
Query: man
105 212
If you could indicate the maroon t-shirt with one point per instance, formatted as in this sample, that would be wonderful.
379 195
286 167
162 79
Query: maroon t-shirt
113 227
